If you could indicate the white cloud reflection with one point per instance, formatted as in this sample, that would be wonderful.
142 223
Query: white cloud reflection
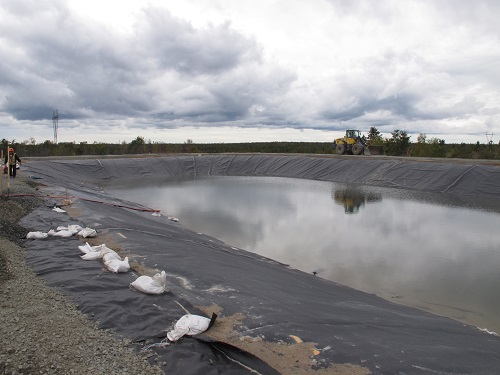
423 253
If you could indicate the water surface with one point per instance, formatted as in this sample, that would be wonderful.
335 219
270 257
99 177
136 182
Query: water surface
431 251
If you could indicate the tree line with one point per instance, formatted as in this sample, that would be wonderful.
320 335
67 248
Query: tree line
399 144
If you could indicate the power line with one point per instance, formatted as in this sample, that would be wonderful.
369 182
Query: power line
489 137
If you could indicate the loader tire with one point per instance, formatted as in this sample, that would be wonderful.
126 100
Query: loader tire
357 149
340 148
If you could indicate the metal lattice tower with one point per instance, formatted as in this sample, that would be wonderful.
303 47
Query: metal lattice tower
55 122
489 137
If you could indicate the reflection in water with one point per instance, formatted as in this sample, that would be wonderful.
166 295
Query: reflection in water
352 198
419 249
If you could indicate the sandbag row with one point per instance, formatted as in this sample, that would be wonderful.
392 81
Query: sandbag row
113 263
157 284
63 231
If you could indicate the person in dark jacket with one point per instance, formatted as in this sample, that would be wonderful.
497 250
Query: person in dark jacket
10 162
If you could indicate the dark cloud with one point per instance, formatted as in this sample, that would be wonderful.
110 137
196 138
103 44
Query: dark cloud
175 44
435 66
166 66
403 106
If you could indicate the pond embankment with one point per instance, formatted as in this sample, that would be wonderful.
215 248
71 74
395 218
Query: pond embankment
294 322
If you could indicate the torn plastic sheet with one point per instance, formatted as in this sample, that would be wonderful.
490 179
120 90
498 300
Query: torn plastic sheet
346 325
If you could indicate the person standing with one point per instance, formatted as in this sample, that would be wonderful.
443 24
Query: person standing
10 160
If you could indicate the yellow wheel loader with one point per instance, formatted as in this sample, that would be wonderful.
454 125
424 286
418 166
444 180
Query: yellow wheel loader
352 143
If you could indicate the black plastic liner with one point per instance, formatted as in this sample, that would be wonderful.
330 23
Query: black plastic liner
469 179
348 326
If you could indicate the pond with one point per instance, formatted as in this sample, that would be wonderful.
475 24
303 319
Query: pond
431 251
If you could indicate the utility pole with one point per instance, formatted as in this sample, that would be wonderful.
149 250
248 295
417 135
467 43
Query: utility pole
55 122
489 137
1 177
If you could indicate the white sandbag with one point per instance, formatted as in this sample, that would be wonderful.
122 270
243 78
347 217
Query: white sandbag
96 252
74 228
57 209
151 285
109 255
116 265
87 232
60 233
99 249
92 255
188 325
36 235
104 250
87 248
102 247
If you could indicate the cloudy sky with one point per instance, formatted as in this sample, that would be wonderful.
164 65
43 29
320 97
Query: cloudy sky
248 70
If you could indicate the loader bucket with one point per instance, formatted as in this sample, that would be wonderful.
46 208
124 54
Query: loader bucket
367 151
376 150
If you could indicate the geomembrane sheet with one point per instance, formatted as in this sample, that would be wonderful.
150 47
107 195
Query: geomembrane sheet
272 303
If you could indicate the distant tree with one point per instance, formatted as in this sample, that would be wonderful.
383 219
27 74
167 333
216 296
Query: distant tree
189 146
375 137
138 141
436 148
422 138
137 146
399 144
420 148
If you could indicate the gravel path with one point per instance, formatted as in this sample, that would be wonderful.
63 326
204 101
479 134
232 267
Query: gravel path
41 331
